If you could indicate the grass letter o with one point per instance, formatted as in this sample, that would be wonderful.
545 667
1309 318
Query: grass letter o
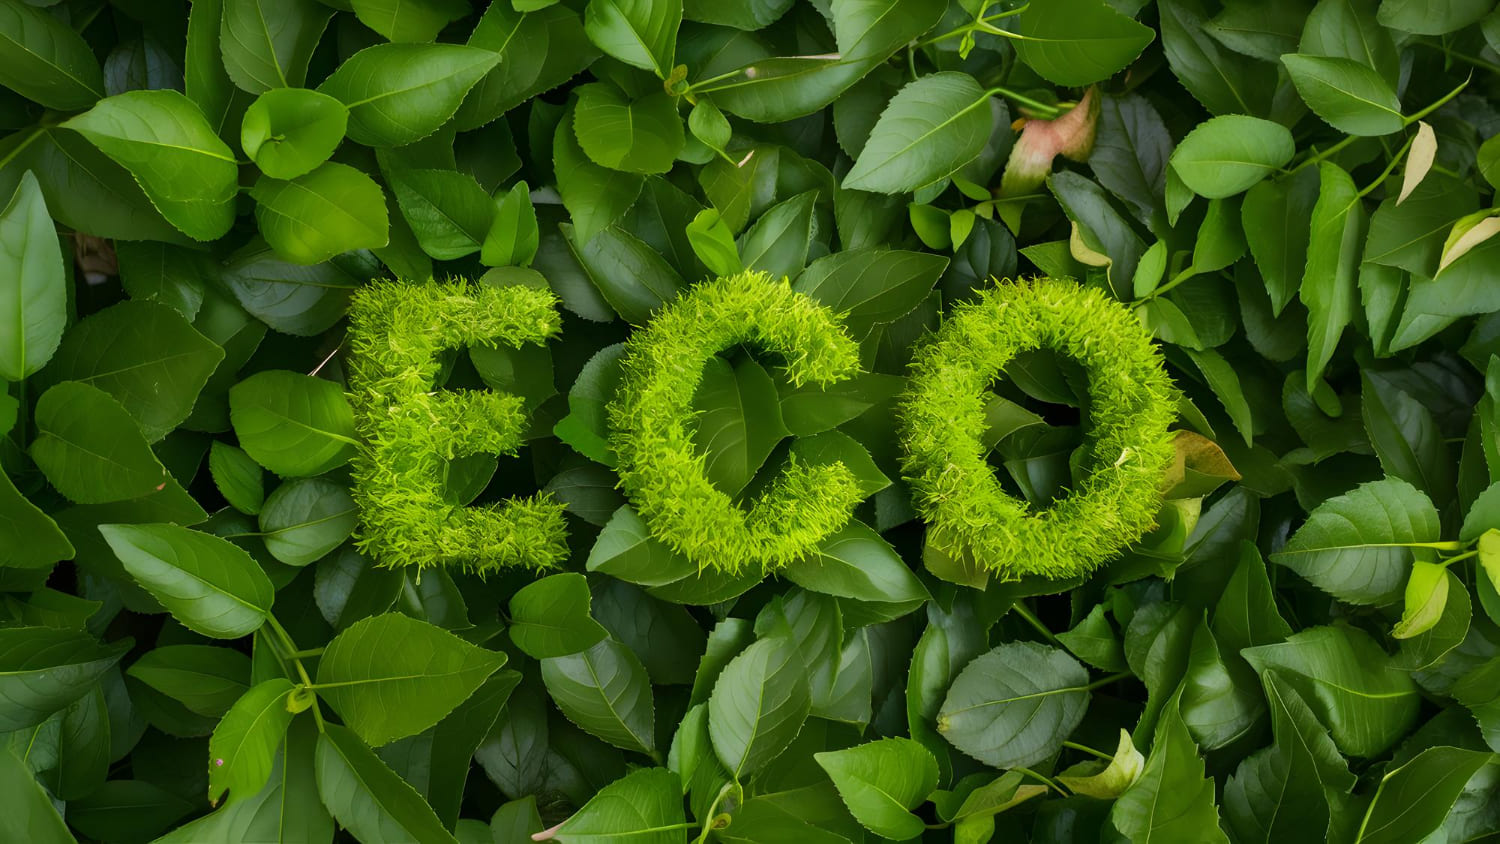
1128 447
651 424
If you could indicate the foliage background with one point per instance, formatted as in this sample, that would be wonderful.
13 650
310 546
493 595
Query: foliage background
1295 197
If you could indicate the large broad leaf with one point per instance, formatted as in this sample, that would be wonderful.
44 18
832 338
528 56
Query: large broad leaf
1359 546
391 676
43 669
881 782
595 196
871 286
28 537
33 287
1286 792
45 60
758 705
163 139
1076 42
1330 277
144 354
637 136
316 216
642 808
1413 800
209 584
286 809
550 618
1349 95
642 33
242 751
30 814
90 448
1172 800
1229 154
367 798
409 20
400 93
867 32
295 425
932 127
605 691
1366 701
538 51
738 421
857 563
268 43
1015 705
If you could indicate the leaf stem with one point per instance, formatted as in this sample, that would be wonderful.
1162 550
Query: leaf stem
1041 778
1086 749
713 809
292 654
1319 156
1051 112
1021 610
1105 681
1442 101
1390 167
977 23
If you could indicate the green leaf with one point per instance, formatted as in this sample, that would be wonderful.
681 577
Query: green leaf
295 425
33 283
1015 705
1412 801
146 355
932 127
369 799
316 216
626 550
289 131
1405 436
595 196
1230 154
881 782
713 243
30 814
294 298
758 705
268 43
165 142
209 584
391 676
1225 82
1328 281
398 94
538 51
605 691
205 679
779 240
237 477
871 286
738 421
448 211
513 235
45 60
28 537
242 751
1359 546
1094 641
1277 217
1107 781
1349 96
1431 18
550 618
1172 800
637 136
90 448
43 669
631 276
409 20
1366 701
1219 705
857 563
305 519
644 807
642 33
1077 42
1286 792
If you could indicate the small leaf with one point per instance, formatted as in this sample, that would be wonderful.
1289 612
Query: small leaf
881 782
714 244
642 33
605 691
1419 160
391 676
295 425
637 136
90 448
367 798
320 214
237 477
857 563
758 705
513 234
1124 768
1172 800
932 127
209 584
305 519
1426 595
1229 154
243 748
1349 95
398 94
33 283
289 131
1077 42
550 618
1014 705
644 807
